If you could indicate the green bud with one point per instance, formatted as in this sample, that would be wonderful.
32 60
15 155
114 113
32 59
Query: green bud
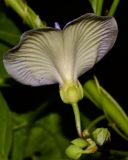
79 142
71 92
74 152
101 135
86 133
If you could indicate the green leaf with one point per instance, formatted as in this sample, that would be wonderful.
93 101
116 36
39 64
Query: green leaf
5 129
22 124
3 73
9 35
9 32
20 135
20 138
47 139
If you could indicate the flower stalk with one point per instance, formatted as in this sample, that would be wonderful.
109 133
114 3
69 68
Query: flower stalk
77 118
113 7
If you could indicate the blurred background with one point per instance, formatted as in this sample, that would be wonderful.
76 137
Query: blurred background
111 71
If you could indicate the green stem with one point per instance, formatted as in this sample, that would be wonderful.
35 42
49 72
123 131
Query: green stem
113 7
94 122
99 7
105 102
113 125
77 118
26 13
118 152
20 126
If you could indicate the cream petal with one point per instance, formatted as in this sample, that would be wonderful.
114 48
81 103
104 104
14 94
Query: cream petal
47 56
34 60
87 39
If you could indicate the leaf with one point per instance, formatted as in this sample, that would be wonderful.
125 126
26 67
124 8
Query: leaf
22 125
3 73
46 140
9 35
5 129
19 143
20 135
9 32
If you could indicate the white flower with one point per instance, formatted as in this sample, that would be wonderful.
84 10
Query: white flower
51 55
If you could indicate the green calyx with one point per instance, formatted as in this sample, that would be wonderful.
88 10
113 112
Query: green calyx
101 135
71 92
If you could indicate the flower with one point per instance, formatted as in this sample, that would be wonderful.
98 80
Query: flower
51 55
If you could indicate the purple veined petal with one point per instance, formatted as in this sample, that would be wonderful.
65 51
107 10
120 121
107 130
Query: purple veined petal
89 38
48 55
34 60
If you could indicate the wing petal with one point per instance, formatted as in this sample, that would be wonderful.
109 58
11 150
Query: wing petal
34 60
88 39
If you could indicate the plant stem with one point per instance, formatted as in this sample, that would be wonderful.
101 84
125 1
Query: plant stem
105 102
99 7
77 118
94 122
113 7
112 125
26 13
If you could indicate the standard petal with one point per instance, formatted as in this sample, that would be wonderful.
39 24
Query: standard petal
88 39
35 60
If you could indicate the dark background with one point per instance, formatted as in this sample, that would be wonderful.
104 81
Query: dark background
110 71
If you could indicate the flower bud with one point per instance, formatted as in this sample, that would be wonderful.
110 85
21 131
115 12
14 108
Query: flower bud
101 135
80 142
71 92
74 152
